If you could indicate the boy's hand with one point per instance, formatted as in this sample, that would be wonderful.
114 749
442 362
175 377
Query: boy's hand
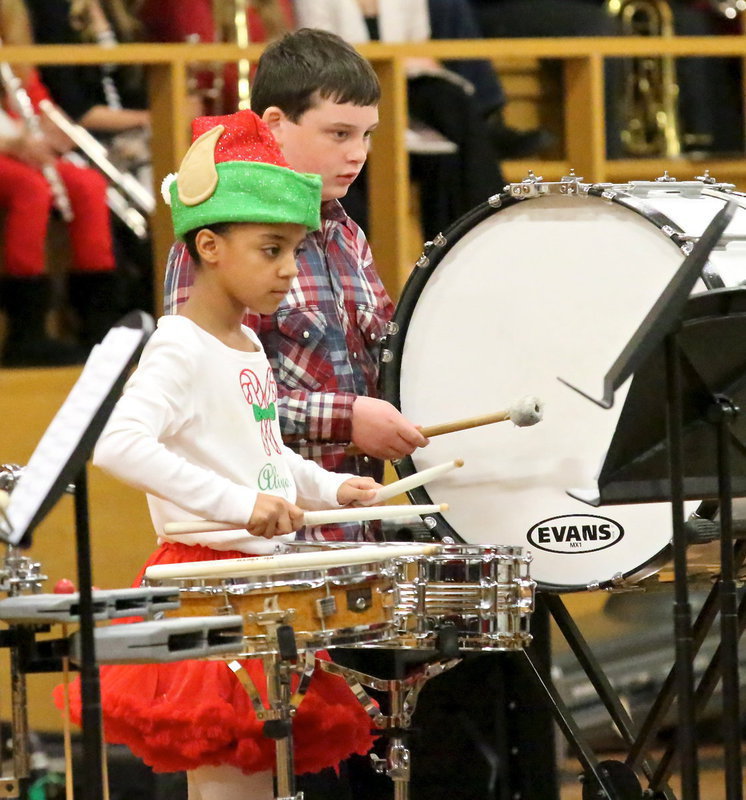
379 430
355 491
273 516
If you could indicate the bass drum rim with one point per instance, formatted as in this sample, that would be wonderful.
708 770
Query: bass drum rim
392 348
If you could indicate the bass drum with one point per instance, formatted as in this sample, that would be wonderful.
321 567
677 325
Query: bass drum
546 280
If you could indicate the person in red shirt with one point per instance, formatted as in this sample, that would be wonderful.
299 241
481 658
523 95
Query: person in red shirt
31 171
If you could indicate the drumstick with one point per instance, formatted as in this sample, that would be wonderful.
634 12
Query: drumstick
526 411
312 518
418 479
288 562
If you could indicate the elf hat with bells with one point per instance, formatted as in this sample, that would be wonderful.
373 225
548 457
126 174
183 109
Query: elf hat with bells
235 172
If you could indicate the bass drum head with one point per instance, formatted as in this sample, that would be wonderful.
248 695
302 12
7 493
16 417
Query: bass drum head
519 296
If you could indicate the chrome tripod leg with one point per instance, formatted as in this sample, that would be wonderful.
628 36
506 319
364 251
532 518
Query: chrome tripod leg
279 727
397 762
402 694
281 707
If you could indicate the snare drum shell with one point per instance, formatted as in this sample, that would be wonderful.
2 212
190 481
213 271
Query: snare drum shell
334 607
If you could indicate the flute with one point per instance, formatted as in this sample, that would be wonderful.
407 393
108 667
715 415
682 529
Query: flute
20 100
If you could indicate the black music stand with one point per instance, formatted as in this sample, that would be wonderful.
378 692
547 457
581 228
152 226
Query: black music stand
689 368
60 459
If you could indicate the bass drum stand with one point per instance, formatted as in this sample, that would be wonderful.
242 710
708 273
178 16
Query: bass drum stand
692 343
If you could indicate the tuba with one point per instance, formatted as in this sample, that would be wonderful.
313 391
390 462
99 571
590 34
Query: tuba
650 93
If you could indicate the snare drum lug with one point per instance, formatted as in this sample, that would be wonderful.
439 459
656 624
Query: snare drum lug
326 607
593 586
526 595
495 201
387 356
440 240
423 261
392 328
430 522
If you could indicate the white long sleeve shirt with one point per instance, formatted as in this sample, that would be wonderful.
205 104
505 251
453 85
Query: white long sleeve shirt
197 429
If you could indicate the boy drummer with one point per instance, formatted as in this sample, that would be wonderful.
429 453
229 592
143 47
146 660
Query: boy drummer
319 98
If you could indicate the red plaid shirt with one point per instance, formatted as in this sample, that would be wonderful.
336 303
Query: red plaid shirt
322 342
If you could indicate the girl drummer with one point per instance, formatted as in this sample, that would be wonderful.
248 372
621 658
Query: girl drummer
197 429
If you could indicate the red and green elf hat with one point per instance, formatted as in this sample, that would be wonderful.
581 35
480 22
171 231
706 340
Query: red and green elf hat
235 172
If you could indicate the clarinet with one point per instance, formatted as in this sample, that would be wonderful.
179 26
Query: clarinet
126 191
19 98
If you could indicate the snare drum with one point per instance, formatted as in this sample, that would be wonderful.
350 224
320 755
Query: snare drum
330 607
483 592
544 281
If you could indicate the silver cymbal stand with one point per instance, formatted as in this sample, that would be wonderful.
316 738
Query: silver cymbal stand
403 694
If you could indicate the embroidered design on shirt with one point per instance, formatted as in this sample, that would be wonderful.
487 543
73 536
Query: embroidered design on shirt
262 399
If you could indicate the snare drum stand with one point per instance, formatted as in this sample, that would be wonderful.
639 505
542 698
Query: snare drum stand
402 695
282 702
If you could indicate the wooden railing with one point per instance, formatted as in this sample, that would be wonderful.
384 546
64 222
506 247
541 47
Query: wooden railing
390 221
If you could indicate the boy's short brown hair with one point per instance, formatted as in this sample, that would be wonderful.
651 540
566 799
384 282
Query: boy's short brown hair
311 64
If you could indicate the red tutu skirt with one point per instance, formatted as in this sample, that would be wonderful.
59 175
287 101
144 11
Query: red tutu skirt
185 714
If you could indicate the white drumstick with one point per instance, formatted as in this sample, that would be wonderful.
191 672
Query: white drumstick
288 562
412 481
311 518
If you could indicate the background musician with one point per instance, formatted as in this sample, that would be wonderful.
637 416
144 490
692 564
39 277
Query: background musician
110 102
32 179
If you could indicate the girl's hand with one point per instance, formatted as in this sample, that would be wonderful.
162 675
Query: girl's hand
274 516
357 491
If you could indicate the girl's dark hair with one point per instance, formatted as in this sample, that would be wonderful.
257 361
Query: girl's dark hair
307 65
221 228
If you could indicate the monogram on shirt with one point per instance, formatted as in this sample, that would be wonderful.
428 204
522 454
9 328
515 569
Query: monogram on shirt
270 480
